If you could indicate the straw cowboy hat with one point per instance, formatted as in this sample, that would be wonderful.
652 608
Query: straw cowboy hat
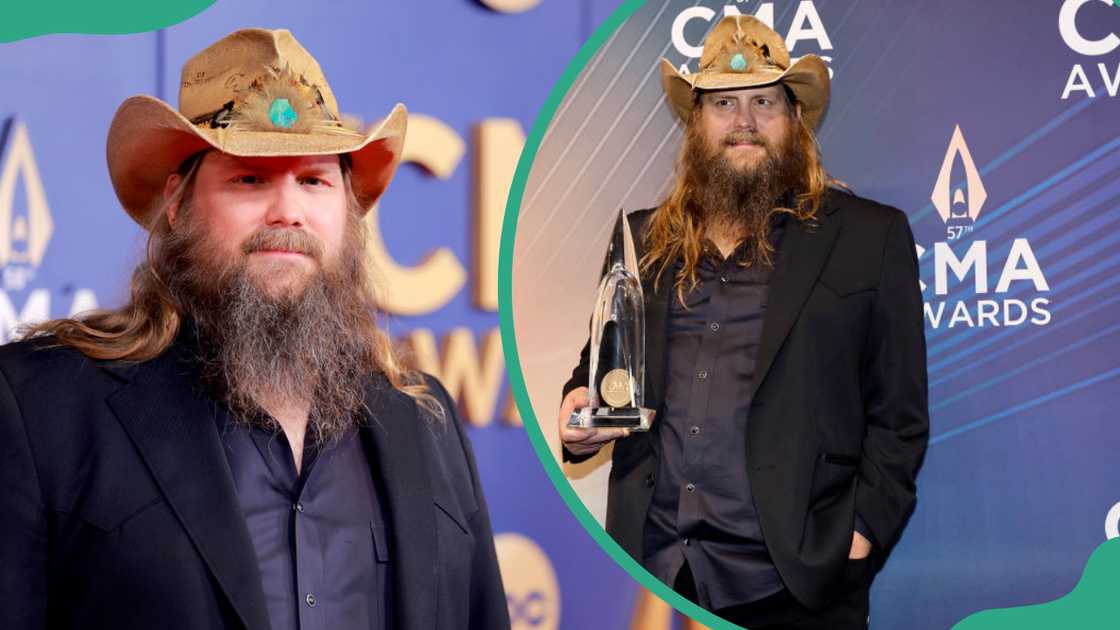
255 92
742 52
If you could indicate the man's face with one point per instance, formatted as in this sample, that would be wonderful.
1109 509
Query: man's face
745 125
283 217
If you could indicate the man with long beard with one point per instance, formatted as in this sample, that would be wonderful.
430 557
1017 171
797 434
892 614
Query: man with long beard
785 357
238 446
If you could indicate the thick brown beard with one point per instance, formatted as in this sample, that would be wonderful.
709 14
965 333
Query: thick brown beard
742 201
305 346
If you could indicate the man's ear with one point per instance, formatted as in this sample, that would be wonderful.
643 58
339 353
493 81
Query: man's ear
169 187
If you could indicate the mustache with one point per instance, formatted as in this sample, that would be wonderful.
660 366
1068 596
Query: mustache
745 137
285 239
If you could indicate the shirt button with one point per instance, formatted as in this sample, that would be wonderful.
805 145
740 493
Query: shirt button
297 507
685 541
310 599
702 374
690 487
714 326
723 279
694 430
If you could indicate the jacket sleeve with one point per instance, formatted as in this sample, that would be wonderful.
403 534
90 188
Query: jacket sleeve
488 597
23 527
894 390
581 374
580 378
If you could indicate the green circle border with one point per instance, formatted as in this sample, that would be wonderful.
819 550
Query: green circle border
509 342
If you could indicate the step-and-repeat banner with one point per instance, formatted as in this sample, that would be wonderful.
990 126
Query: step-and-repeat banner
994 125
473 74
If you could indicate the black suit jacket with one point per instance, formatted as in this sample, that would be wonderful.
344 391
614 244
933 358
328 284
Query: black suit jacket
118 509
839 422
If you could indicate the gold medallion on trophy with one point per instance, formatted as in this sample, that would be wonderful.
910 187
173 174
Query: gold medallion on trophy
615 388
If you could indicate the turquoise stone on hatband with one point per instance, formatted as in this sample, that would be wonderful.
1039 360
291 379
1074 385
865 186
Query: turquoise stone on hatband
738 62
281 113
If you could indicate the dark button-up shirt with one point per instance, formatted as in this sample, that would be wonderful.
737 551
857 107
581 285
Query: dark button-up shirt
319 536
702 510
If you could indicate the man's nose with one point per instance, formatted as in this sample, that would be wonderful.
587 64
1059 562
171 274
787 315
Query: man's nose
744 118
287 208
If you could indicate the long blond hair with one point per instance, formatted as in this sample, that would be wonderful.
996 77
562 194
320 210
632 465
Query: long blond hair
149 322
678 225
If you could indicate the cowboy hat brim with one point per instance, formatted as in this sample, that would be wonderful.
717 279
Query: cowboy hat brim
148 140
808 78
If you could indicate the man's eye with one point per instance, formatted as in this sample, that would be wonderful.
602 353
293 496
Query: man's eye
314 181
723 102
765 102
247 179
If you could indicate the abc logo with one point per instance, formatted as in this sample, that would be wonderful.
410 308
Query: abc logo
532 592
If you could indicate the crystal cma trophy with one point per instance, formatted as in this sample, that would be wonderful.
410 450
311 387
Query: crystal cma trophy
617 346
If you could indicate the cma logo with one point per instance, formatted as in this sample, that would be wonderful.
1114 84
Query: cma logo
958 210
532 592
1090 12
959 206
806 25
25 231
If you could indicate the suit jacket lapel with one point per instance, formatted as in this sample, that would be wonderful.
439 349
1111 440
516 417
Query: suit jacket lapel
399 464
173 428
802 256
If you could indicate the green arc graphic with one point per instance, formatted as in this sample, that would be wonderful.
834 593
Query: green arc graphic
1091 604
31 19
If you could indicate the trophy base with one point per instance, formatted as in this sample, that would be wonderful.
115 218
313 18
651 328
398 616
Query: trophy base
633 418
